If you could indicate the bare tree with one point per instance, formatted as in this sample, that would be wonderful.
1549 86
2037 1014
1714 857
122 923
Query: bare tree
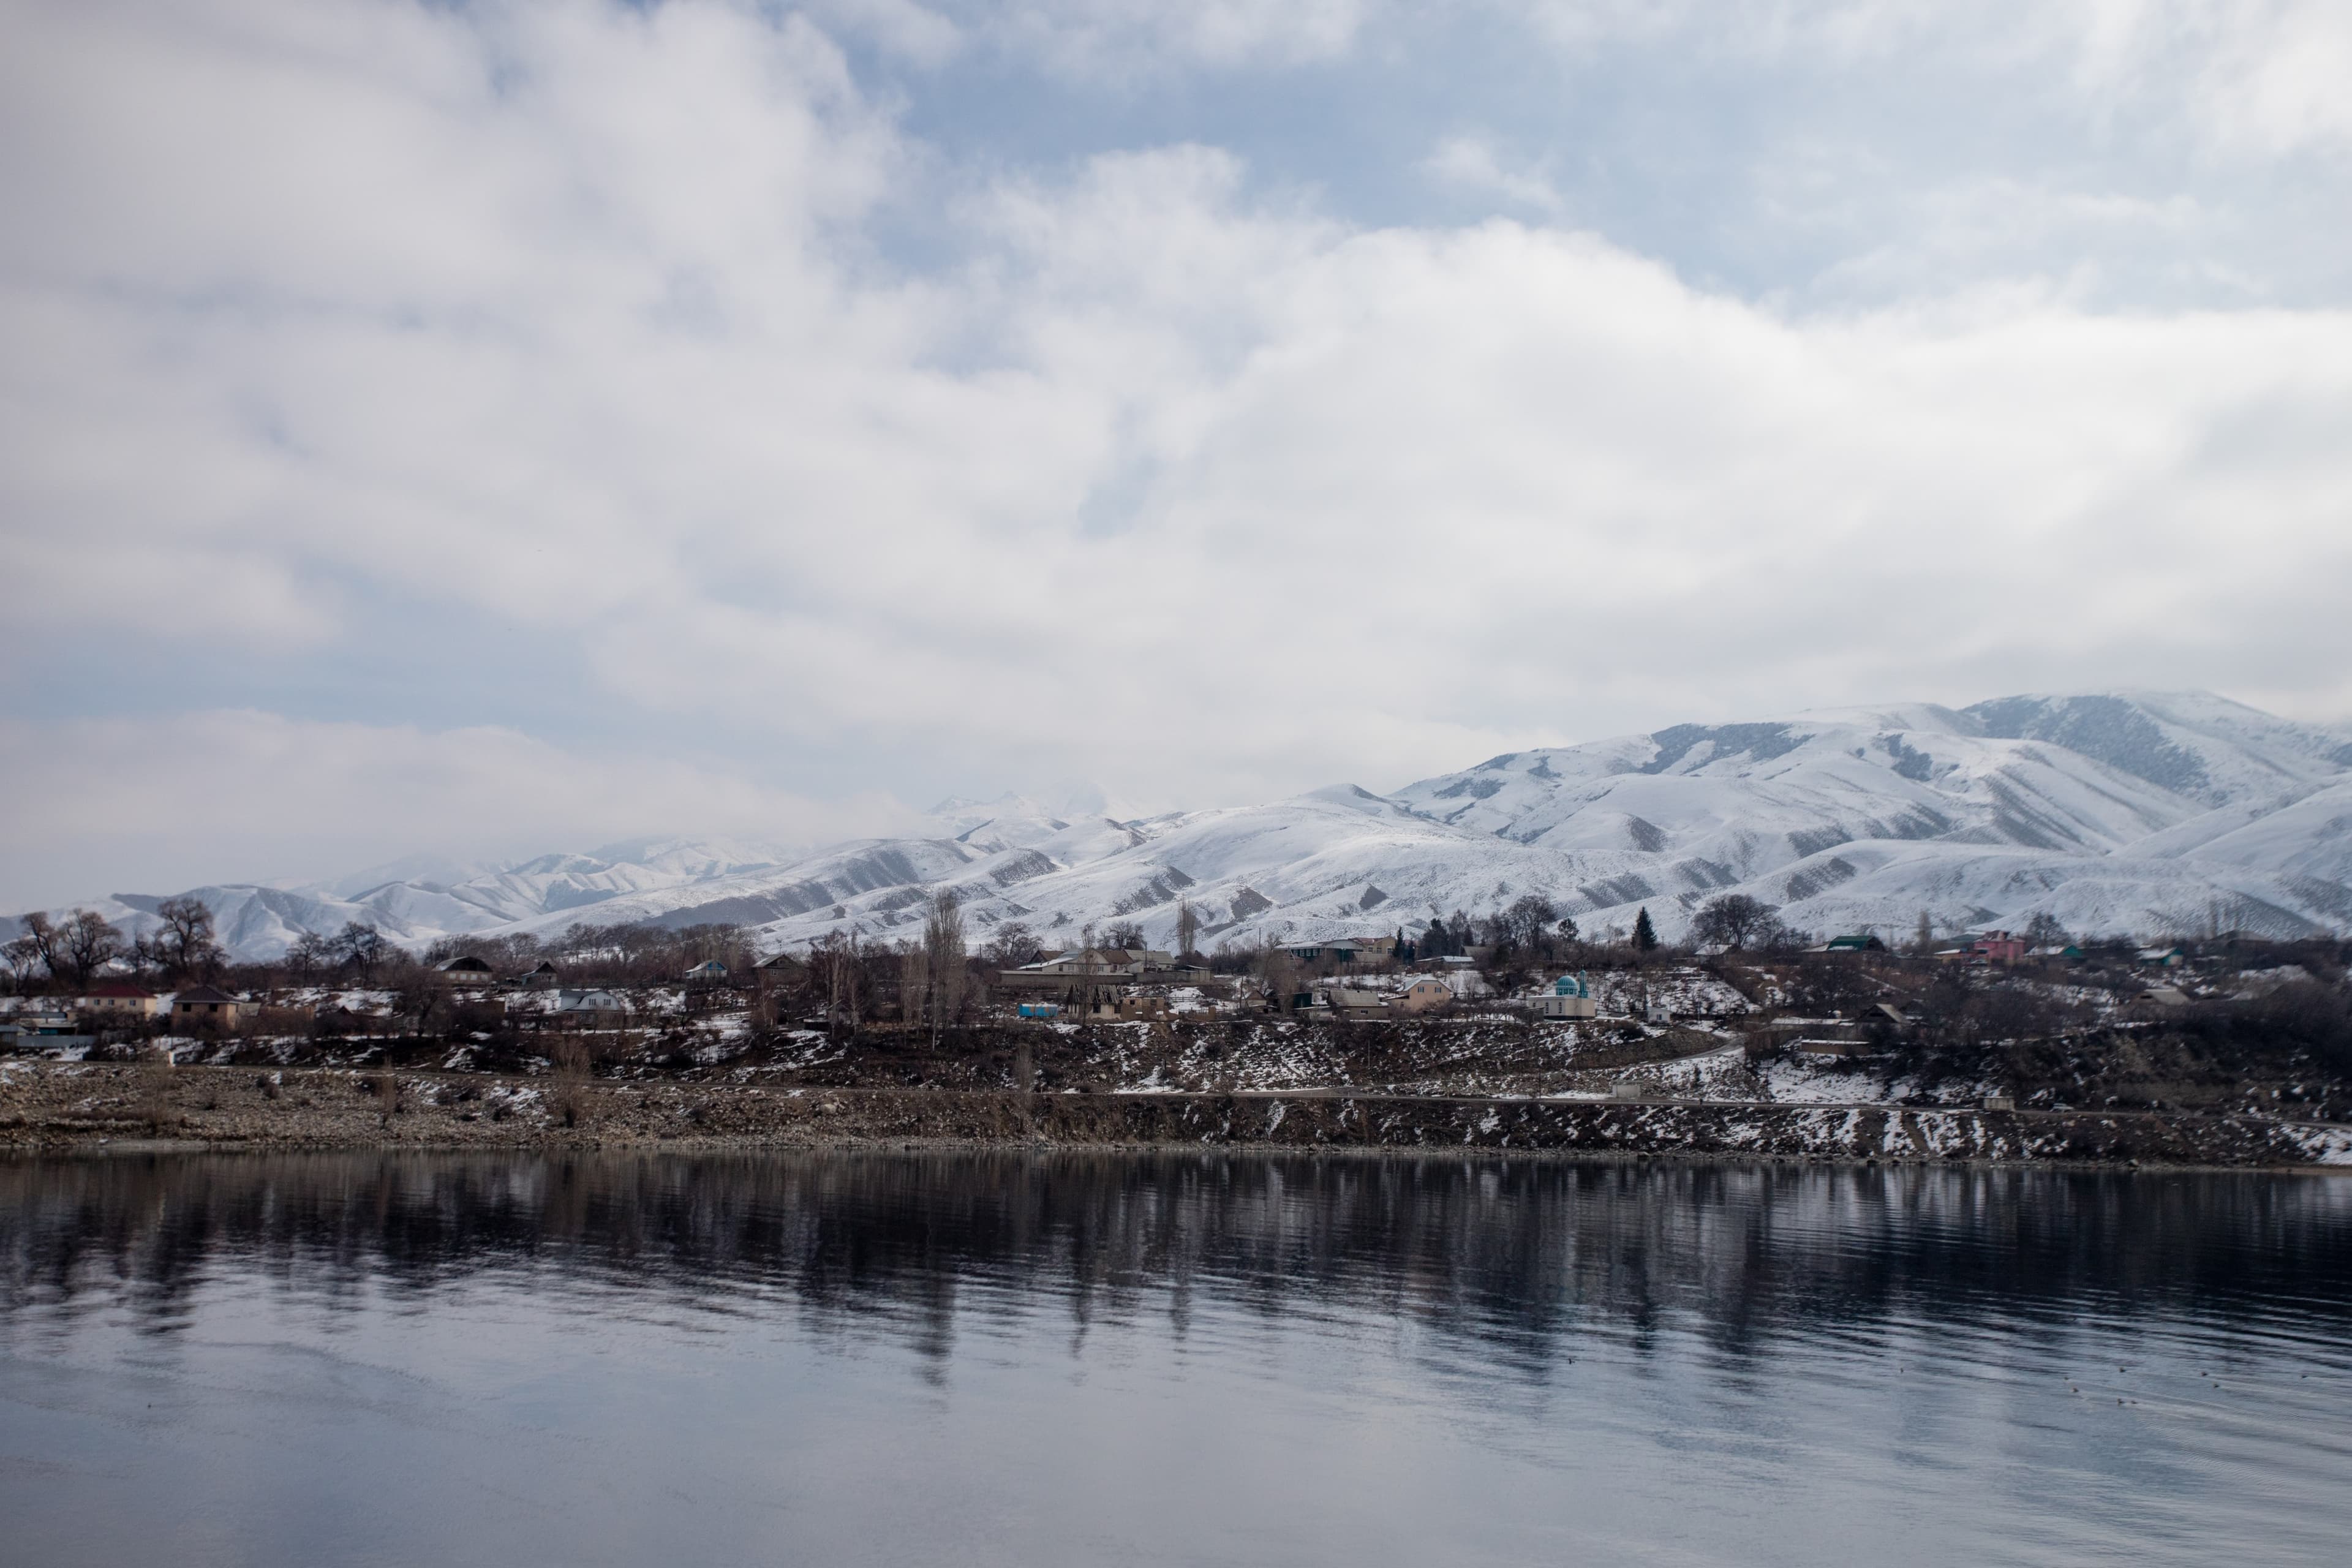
836 958
87 944
1527 920
1125 934
1733 921
363 947
310 953
1012 945
1188 929
22 956
44 943
943 951
914 984
1281 974
2043 931
186 944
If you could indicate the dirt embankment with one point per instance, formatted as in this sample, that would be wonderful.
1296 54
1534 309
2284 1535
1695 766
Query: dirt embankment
59 1108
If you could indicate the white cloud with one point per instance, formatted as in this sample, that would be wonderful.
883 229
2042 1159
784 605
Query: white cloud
1131 35
1471 163
1109 39
2259 77
918 33
573 320
106 806
2276 79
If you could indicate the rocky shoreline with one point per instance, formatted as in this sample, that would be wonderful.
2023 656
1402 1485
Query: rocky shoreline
61 1109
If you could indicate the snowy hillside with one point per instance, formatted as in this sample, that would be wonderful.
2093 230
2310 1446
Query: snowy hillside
2128 813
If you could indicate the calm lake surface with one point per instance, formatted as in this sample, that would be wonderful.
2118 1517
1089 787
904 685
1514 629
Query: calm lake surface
1058 1359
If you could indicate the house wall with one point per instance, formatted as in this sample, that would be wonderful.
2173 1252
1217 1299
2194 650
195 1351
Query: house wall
140 1006
211 1014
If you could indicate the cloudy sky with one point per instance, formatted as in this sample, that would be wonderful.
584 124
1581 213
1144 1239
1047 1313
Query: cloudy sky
491 427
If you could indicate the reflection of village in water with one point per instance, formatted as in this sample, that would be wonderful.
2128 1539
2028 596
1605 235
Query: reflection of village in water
1527 1252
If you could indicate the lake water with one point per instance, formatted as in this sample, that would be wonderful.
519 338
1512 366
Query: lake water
1043 1360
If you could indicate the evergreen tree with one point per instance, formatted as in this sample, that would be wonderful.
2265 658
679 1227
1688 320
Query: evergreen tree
1645 935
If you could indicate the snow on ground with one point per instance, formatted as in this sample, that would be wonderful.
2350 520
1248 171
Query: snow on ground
1678 993
1800 1082
2326 1145
1721 1074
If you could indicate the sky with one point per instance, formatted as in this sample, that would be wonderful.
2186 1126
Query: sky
479 429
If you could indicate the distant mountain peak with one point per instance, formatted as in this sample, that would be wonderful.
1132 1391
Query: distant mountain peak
2148 813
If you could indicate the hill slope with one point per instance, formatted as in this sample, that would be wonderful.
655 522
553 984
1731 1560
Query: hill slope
2114 813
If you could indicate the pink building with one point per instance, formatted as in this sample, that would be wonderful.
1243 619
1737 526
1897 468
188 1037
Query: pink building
1997 947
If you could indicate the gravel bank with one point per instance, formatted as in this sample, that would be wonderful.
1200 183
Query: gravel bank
54 1108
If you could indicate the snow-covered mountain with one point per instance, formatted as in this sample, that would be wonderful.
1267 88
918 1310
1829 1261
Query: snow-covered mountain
2118 813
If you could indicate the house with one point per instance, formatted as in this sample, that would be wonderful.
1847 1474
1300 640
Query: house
1427 995
709 971
466 972
782 972
206 1008
1986 947
1831 1045
1346 949
1066 976
589 1010
1861 941
1355 1001
43 1032
543 978
1996 947
2171 957
118 999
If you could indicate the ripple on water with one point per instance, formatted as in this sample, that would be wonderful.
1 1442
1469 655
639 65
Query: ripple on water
1025 1359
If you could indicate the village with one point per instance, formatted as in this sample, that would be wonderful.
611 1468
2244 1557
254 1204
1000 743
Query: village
1513 1005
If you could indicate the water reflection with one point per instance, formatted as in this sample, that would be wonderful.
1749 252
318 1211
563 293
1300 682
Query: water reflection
1023 1359
1517 1254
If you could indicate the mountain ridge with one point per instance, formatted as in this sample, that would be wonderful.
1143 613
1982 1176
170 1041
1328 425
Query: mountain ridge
2114 812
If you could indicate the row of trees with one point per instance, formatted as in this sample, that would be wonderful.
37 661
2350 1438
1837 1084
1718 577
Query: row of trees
185 945
926 982
184 948
75 950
